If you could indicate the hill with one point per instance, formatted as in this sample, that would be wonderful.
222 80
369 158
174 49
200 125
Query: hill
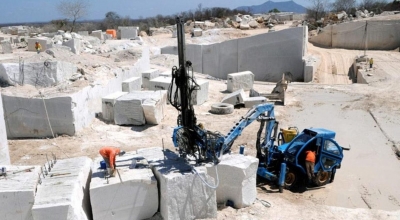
289 6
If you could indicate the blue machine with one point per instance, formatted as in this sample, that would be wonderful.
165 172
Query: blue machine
284 163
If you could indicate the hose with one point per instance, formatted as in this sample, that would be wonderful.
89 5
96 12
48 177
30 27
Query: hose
207 184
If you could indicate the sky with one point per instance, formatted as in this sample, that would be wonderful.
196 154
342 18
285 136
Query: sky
17 11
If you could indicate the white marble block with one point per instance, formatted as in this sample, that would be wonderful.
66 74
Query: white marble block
237 179
128 110
160 83
155 108
74 44
17 192
200 96
64 193
6 46
132 84
252 101
242 80
182 193
167 73
149 75
135 197
235 98
108 103
197 32
98 34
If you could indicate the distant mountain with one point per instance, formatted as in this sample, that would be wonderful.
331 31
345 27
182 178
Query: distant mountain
289 6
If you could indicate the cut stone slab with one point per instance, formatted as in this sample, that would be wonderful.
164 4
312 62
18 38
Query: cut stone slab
235 98
149 75
6 46
252 101
136 197
197 32
183 195
160 83
74 44
154 109
237 179
64 193
98 34
108 103
128 109
242 80
200 96
132 84
45 42
17 192
167 73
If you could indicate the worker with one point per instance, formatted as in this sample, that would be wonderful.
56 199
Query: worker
38 47
371 62
109 155
310 162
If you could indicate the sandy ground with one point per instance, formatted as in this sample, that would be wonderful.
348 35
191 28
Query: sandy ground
365 117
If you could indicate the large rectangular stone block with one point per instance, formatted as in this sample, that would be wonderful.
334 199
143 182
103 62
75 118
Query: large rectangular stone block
252 101
167 73
132 84
34 123
155 108
128 110
108 103
98 34
46 43
237 179
6 47
64 193
135 194
74 44
160 83
183 195
242 80
200 96
235 98
17 192
149 75
128 32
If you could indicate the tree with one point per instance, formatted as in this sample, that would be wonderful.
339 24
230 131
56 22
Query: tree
317 9
373 5
112 20
73 10
275 10
344 5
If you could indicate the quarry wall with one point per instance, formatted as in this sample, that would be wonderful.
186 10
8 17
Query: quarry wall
266 55
69 113
372 35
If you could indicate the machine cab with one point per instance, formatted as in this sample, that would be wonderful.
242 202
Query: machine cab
329 154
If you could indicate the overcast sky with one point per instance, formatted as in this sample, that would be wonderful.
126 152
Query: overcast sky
46 10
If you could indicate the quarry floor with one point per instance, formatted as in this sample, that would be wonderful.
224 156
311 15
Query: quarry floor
364 117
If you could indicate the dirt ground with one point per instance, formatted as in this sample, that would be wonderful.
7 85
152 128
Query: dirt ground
364 117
